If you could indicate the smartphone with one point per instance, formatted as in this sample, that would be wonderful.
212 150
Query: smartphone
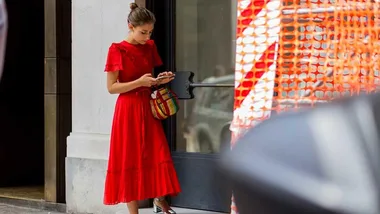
163 77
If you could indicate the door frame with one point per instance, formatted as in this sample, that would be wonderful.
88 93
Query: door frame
164 34
189 166
57 95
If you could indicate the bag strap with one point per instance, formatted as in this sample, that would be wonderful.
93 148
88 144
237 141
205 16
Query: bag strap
155 87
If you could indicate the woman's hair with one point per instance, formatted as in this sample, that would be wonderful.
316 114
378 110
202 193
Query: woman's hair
140 16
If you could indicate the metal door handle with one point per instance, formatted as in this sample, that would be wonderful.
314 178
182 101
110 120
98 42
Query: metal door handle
183 84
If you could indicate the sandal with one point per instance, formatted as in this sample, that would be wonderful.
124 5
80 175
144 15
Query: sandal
161 206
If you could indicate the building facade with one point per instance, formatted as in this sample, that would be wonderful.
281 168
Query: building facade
58 66
191 35
66 138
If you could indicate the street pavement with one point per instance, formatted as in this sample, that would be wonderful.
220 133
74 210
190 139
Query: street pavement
9 209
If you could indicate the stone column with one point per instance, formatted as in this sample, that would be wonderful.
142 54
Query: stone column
57 95
95 25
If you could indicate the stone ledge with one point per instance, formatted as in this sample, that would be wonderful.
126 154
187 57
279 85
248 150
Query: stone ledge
88 146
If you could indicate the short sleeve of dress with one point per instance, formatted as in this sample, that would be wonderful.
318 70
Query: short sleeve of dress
114 62
156 57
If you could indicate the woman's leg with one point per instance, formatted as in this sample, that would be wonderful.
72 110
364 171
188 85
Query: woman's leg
160 204
133 207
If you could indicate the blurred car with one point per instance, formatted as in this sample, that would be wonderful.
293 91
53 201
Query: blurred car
208 127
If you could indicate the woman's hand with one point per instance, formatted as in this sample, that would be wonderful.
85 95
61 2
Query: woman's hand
166 76
147 80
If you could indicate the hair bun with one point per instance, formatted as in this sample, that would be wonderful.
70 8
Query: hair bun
133 6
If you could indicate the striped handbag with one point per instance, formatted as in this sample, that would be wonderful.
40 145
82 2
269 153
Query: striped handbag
164 103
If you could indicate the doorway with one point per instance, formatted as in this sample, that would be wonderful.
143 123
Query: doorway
22 103
199 36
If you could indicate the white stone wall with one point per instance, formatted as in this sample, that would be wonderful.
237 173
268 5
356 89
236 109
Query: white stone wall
95 25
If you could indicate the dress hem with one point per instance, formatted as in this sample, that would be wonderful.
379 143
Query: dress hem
141 184
140 199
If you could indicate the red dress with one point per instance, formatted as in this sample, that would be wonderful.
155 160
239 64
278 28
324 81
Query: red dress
140 164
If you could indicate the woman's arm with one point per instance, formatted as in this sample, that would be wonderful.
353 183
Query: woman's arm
115 87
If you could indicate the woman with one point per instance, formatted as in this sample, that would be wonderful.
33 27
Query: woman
140 165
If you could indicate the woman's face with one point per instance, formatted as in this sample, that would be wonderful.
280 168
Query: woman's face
141 34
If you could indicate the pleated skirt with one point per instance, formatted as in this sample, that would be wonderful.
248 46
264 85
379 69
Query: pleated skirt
140 164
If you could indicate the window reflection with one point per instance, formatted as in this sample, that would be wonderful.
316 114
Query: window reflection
206 128
205 45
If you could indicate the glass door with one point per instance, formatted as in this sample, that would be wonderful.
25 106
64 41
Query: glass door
199 36
204 43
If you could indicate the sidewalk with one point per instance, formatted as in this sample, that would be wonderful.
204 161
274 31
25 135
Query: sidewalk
9 209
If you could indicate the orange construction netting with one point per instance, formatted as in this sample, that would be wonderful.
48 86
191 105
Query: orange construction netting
298 53
329 49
